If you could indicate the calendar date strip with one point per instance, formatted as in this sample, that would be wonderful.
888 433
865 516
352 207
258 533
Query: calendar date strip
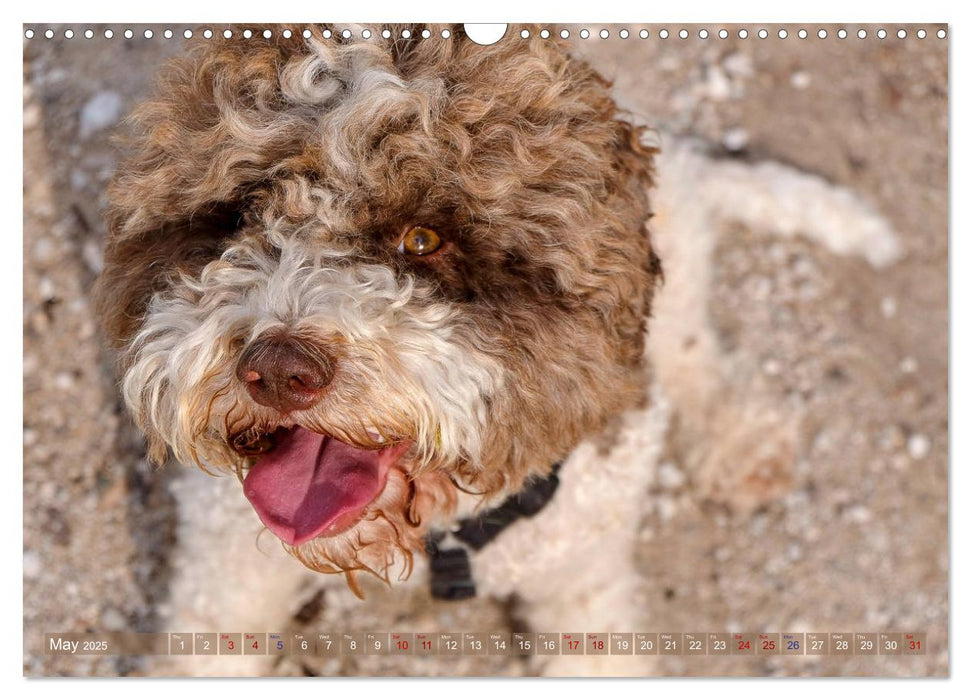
324 644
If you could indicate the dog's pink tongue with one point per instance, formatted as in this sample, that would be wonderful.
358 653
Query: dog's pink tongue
308 481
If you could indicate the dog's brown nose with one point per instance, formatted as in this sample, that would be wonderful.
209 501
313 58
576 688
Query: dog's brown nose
284 374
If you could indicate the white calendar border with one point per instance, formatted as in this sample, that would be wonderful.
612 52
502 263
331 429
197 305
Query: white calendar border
814 11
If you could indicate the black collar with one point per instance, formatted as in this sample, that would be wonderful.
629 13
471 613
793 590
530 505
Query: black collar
449 562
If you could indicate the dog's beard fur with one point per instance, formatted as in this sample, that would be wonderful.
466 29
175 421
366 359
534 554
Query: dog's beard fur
262 170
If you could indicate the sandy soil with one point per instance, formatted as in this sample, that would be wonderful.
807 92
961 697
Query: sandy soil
858 541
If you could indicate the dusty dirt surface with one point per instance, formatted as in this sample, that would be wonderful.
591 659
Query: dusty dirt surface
856 543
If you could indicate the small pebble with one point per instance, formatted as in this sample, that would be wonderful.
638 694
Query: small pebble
113 619
32 564
803 266
46 288
44 250
735 139
79 180
31 116
918 446
717 86
666 508
859 514
823 441
762 288
800 80
670 477
100 112
888 307
794 551
63 381
92 254
738 65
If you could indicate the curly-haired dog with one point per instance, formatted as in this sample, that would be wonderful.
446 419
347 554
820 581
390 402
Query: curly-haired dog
394 284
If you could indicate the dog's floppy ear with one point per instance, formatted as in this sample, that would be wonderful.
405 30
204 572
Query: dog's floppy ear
138 265
184 188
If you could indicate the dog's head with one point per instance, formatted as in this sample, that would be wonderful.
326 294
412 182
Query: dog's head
363 274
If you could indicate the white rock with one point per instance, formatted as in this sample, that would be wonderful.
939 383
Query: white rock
670 477
717 85
803 267
92 254
44 250
32 564
735 139
100 112
738 64
667 508
113 619
888 307
800 80
46 288
63 381
31 116
859 514
918 446
79 179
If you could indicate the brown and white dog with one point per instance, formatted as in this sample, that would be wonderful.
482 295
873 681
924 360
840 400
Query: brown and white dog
389 283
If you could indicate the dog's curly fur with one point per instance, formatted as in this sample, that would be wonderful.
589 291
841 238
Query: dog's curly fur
270 182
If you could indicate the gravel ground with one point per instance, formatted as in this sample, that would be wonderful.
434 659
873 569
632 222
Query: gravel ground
858 541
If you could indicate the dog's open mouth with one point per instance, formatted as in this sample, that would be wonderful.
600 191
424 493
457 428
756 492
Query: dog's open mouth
311 485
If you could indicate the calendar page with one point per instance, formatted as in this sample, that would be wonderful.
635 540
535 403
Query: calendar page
485 350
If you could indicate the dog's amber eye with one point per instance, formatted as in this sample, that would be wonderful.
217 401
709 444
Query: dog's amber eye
420 241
